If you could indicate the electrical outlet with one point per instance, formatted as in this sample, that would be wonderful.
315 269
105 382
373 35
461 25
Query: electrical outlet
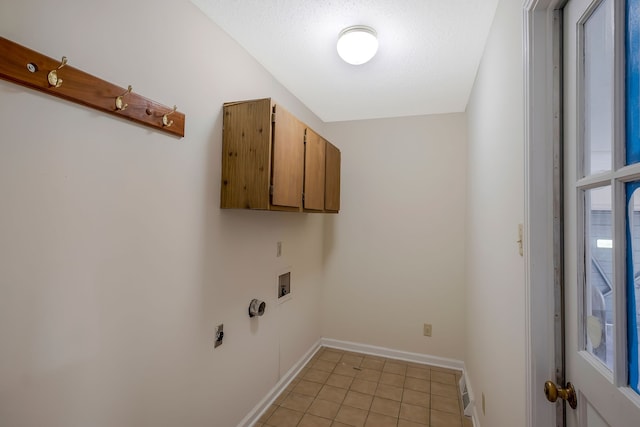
219 335
427 330
279 249
483 406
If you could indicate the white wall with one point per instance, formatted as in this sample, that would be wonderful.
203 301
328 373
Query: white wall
115 261
495 343
395 253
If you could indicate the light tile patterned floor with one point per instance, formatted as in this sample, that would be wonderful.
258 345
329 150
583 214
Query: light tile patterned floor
344 389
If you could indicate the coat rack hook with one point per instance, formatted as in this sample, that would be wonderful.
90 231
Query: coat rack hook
53 74
120 105
165 118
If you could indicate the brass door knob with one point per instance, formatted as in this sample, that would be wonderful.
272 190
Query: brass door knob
567 394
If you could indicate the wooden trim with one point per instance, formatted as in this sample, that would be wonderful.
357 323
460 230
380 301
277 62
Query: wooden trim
83 88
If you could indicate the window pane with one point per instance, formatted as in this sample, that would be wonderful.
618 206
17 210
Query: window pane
598 90
598 321
633 281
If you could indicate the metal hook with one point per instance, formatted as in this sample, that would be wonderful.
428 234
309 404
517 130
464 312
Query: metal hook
120 105
53 74
165 118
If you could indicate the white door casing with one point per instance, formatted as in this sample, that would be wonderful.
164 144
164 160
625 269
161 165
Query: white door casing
542 121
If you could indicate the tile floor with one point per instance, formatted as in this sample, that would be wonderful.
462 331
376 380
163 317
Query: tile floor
344 389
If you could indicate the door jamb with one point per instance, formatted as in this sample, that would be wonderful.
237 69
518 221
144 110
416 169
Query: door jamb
543 204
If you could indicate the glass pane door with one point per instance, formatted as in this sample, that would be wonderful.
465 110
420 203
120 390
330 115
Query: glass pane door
598 297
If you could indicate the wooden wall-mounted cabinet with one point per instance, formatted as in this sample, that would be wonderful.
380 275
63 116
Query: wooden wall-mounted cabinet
273 161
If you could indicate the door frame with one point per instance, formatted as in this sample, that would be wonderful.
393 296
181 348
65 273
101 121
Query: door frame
542 44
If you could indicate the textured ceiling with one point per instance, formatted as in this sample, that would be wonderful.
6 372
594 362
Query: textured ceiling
426 63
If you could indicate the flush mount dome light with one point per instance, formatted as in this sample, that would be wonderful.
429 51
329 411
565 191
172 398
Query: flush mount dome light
357 44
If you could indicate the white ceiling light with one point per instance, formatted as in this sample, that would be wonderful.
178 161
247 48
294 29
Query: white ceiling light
357 44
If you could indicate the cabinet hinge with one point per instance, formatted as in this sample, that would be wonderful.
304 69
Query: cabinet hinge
273 117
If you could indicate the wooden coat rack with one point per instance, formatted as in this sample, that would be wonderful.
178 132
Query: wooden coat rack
26 67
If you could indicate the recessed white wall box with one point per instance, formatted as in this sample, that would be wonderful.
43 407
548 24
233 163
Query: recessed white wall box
284 285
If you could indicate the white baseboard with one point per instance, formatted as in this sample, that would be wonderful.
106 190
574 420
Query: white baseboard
264 404
425 359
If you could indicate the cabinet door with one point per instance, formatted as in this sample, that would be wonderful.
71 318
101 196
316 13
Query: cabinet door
314 171
287 159
246 149
332 181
